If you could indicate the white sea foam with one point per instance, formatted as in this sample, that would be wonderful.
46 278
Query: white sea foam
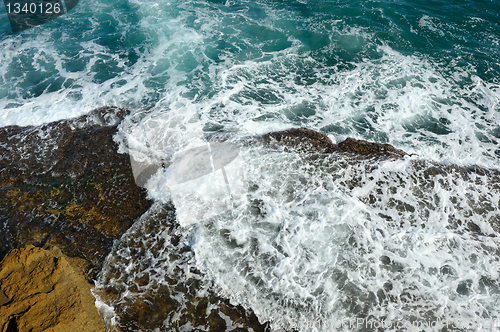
334 241
82 74
325 239
320 243
106 311
431 24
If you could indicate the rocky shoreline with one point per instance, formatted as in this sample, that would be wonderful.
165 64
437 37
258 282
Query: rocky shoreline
66 195
64 184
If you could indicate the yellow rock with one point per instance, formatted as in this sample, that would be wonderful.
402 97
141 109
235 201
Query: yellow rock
41 291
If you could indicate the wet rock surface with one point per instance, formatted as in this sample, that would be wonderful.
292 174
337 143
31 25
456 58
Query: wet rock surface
300 140
362 147
41 291
64 184
307 140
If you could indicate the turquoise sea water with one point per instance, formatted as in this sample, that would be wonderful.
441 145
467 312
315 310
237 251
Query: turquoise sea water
423 76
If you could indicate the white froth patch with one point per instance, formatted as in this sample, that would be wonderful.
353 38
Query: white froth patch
430 23
397 99
324 239
310 251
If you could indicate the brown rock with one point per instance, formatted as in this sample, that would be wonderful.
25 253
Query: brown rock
63 183
369 148
301 140
307 140
41 291
180 299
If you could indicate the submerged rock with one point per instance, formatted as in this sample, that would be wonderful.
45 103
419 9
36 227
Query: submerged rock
362 147
301 140
167 295
41 291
